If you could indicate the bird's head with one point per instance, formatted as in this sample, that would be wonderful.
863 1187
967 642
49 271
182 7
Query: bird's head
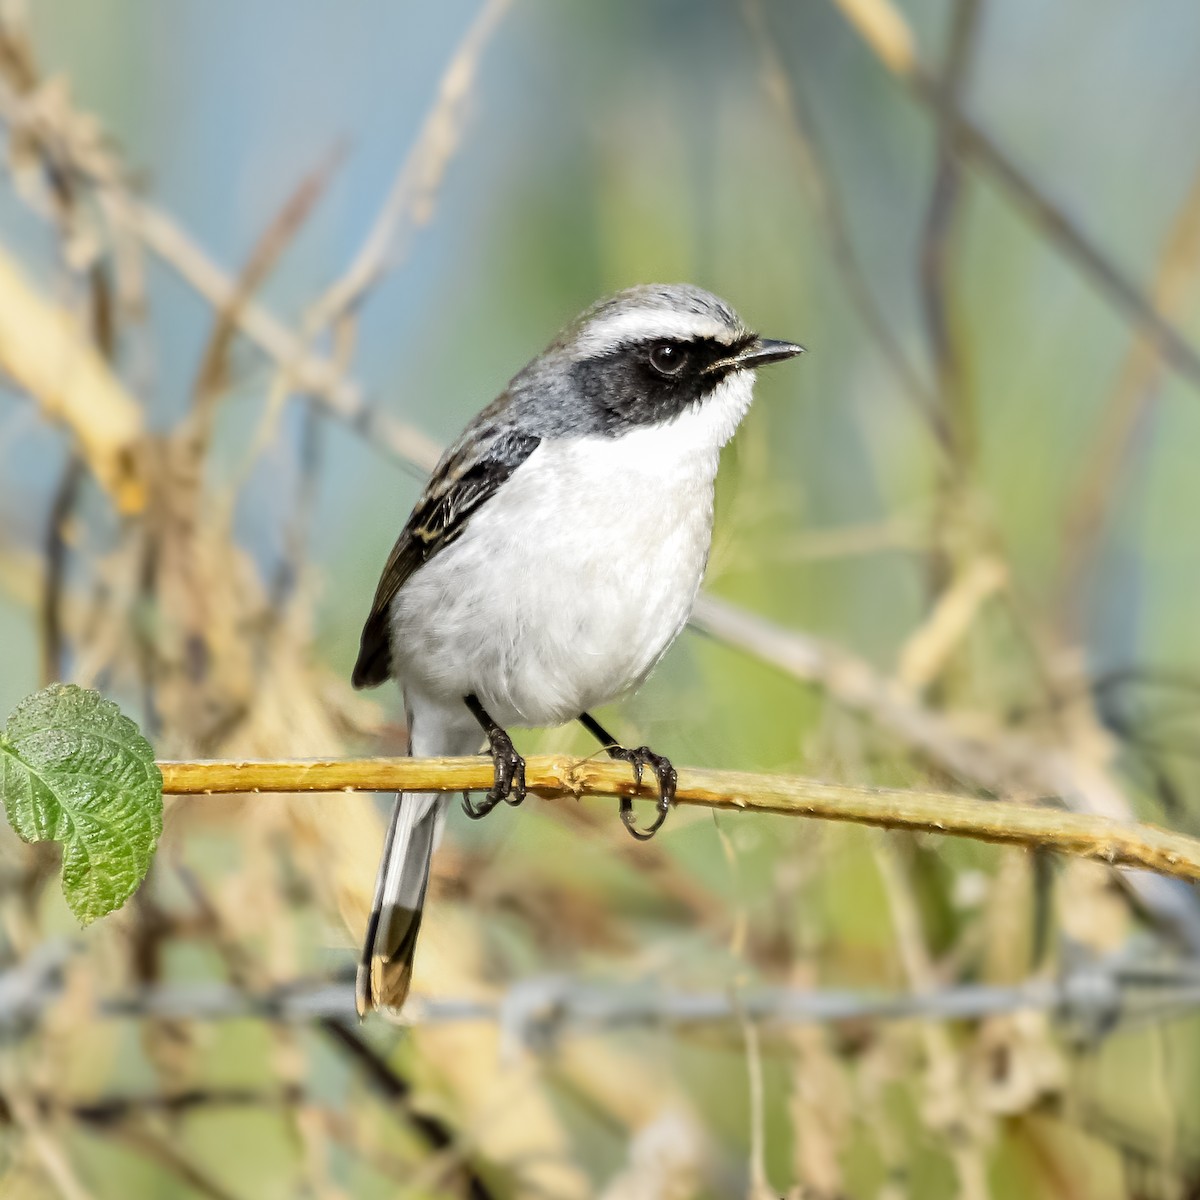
650 354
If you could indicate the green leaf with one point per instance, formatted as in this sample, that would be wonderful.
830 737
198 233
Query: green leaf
75 770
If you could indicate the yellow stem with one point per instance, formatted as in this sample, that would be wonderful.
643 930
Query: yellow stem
1046 827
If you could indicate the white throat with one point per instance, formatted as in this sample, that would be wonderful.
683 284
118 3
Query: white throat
711 423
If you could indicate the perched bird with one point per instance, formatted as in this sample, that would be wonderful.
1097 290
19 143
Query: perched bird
552 559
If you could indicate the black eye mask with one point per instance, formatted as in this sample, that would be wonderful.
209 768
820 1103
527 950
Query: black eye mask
646 383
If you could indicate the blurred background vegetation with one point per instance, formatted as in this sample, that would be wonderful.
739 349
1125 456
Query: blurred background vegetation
258 261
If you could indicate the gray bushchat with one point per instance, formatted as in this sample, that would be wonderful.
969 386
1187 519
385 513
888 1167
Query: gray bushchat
553 558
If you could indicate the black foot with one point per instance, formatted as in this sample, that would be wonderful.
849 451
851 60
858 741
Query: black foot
509 766
640 759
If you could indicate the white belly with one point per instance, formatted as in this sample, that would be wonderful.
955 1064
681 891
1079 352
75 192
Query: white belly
568 586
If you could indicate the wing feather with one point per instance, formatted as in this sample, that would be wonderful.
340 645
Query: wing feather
470 473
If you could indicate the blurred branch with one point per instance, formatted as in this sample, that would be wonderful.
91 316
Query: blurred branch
885 32
54 575
48 355
929 647
398 1092
1137 385
411 199
409 204
212 376
759 1187
110 1110
948 1106
1083 835
938 239
247 972
47 1147
997 760
900 533
67 138
960 578
788 98
885 29
308 371
165 1150
71 144
1002 761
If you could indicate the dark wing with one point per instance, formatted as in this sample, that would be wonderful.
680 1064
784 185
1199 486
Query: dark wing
470 474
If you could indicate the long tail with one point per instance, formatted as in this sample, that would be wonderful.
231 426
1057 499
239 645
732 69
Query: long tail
385 967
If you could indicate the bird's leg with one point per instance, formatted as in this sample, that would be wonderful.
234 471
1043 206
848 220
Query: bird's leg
639 759
509 784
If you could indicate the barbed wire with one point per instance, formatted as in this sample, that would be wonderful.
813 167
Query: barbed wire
1087 1000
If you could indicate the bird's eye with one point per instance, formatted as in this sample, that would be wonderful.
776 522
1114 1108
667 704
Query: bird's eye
667 358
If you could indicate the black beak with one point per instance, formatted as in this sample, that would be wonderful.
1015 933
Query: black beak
762 351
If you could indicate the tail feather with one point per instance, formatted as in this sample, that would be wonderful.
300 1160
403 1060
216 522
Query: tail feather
386 964
385 968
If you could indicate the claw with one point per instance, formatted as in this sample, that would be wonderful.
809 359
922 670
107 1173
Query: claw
478 811
509 784
516 789
667 779
629 820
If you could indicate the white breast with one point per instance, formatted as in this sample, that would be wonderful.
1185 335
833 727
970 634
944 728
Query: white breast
569 585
